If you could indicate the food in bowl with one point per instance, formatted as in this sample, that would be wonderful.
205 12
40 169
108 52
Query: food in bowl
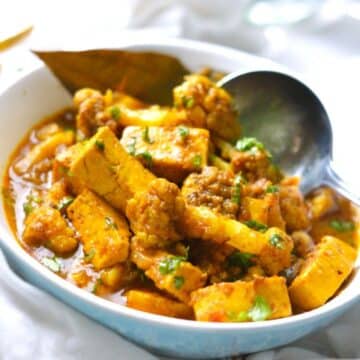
171 211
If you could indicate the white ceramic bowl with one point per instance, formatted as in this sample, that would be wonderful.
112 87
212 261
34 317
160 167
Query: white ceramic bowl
38 94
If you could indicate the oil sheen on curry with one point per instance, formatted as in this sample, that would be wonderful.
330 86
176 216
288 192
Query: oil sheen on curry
170 210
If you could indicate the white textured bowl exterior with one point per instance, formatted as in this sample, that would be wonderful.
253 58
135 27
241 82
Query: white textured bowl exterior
39 94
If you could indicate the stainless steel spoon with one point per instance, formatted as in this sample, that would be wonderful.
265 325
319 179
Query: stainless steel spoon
287 116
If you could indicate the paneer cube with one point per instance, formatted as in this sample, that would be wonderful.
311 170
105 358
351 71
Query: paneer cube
103 166
260 299
45 226
155 303
322 274
175 151
256 209
103 231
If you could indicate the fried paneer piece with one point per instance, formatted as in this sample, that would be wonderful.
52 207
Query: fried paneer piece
293 207
45 226
171 273
154 213
155 303
215 189
103 231
45 149
322 202
207 106
237 301
272 247
102 165
322 274
172 153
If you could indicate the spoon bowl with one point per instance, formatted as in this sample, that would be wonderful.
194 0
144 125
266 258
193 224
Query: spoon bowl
288 117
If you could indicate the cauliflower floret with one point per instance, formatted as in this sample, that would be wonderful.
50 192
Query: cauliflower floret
207 106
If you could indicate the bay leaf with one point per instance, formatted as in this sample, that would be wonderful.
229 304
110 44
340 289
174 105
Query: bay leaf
146 75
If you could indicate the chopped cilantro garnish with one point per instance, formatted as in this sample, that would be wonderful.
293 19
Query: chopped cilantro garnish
238 317
100 144
256 225
239 259
31 203
277 241
28 208
131 146
179 282
51 263
272 189
261 309
183 131
170 264
342 225
248 143
96 286
188 101
110 223
145 135
236 190
115 113
197 160
90 255
65 202
147 157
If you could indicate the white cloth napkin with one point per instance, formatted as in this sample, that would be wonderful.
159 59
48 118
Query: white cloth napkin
34 325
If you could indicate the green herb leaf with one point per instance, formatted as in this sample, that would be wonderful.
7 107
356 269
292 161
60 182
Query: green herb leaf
147 157
261 309
248 143
188 101
179 282
31 203
170 264
65 202
131 146
239 259
277 241
183 131
237 317
110 223
100 144
342 225
115 113
236 190
272 189
98 282
90 255
256 225
28 208
145 135
197 160
52 263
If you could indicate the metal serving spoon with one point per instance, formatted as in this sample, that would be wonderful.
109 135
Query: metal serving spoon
290 120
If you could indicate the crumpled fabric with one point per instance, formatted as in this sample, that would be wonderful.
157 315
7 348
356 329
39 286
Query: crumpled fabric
34 325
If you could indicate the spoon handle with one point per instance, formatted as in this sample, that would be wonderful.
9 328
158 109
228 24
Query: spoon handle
333 180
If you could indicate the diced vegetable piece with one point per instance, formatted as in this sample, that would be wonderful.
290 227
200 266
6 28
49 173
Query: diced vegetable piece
171 151
322 274
45 226
103 231
178 280
112 173
260 299
257 209
44 149
155 303
322 203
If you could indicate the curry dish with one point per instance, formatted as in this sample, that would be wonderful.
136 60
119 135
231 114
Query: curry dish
169 210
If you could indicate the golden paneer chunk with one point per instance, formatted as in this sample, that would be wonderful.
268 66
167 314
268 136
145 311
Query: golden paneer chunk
45 226
155 303
322 274
45 149
171 153
255 209
322 202
103 166
103 231
207 105
176 276
154 214
256 300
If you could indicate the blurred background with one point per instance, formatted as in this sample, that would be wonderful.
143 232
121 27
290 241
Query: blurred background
318 38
